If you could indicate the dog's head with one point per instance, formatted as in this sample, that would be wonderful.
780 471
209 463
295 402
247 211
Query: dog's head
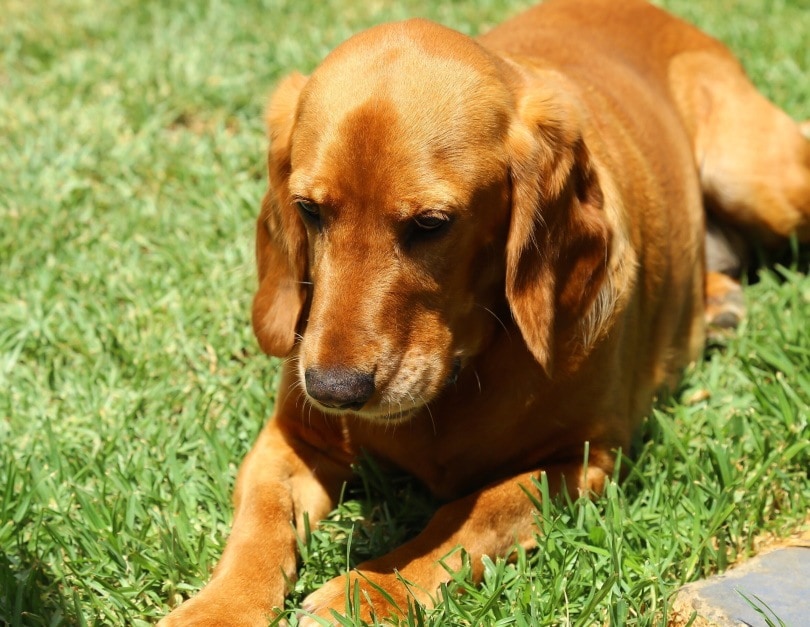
418 184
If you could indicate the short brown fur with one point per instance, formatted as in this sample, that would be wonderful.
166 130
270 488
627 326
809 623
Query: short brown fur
572 151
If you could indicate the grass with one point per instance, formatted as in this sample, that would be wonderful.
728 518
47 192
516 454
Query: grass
130 385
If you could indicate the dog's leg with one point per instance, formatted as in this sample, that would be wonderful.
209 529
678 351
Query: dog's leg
488 522
754 159
754 164
279 482
727 254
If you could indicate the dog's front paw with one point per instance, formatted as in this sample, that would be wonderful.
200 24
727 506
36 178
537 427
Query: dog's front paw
211 610
376 595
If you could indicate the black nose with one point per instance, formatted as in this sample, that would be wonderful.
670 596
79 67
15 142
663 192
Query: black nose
339 388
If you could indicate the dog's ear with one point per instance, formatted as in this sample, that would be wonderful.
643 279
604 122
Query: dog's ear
559 238
281 244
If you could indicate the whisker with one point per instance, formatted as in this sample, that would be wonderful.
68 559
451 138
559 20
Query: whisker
477 378
430 413
494 315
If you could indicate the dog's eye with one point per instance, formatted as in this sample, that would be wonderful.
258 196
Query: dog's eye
309 211
431 222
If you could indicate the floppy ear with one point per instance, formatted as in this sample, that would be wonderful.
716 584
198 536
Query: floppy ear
559 238
281 245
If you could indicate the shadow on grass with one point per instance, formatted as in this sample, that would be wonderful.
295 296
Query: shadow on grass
29 594
379 510
791 255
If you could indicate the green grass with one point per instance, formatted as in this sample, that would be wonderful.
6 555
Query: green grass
131 166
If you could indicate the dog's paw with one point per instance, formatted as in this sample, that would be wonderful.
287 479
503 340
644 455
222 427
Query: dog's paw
376 596
725 305
210 611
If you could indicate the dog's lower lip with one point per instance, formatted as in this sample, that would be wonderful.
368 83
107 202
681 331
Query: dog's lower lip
358 411
383 416
348 407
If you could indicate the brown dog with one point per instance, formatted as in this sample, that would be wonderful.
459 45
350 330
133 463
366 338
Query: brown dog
477 257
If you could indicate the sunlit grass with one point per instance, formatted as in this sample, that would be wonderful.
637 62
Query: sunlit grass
131 167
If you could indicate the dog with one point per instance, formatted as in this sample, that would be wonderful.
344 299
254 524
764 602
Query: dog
478 257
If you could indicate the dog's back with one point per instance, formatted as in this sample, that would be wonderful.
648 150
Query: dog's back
754 161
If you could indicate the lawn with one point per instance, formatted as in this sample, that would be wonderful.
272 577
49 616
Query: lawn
131 168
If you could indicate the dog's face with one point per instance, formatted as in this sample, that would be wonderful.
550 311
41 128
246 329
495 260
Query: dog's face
382 243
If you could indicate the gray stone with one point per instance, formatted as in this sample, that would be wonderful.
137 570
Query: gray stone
778 583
